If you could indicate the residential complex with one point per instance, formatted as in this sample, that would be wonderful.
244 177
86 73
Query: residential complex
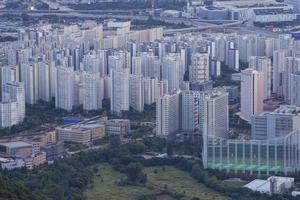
234 86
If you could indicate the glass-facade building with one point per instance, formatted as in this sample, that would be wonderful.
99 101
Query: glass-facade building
271 156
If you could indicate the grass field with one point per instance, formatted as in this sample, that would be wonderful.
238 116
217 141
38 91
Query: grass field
105 185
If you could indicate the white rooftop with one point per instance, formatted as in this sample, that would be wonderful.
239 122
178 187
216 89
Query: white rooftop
259 185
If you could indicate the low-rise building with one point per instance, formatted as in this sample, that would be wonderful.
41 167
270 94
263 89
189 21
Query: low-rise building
274 15
84 133
280 122
213 13
117 126
35 160
273 185
73 133
15 149
97 130
54 150
10 163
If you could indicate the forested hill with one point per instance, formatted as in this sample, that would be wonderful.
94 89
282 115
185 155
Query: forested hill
9 190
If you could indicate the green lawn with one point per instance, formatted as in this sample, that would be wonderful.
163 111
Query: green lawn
180 182
105 185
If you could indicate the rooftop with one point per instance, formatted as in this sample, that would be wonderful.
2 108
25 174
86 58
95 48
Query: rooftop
16 144
258 185
248 3
273 11
287 109
92 126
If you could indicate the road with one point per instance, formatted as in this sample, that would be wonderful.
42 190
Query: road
196 24
200 27
82 15
255 30
87 149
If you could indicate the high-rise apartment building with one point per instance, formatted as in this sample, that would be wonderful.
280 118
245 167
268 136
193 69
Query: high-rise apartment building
13 104
150 65
136 66
167 114
205 112
292 65
93 91
119 90
5 77
151 89
44 81
278 69
252 93
295 88
64 97
29 76
171 71
136 92
233 59
199 69
264 65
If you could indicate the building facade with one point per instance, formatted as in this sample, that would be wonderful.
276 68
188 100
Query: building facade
252 93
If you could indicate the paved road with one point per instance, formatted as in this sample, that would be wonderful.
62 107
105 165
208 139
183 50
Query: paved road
69 10
109 13
256 30
88 149
197 25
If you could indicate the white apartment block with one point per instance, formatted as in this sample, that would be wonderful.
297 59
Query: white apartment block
264 65
64 97
292 66
29 76
8 113
252 93
167 114
199 69
93 91
295 88
278 70
136 67
205 112
119 90
172 71
13 104
151 90
151 65
136 92
44 81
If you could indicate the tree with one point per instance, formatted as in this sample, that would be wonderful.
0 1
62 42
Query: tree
115 141
134 173
137 147
12 190
196 172
169 149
